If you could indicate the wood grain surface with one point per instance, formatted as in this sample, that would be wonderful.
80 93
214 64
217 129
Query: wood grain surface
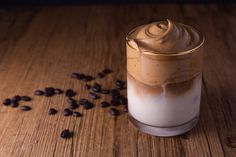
42 46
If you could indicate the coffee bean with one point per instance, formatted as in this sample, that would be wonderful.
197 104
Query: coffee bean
114 112
66 134
123 100
88 78
38 92
26 98
14 104
80 76
120 83
105 91
49 91
16 98
52 111
100 75
88 105
7 102
96 87
107 71
74 106
77 114
71 100
74 75
82 101
25 108
93 95
115 93
104 104
70 93
58 91
87 87
67 112
115 102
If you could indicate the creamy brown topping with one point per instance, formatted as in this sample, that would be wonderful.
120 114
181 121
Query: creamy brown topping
164 52
165 37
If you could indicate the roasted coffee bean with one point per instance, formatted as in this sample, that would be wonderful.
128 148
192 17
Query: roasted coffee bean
49 89
70 93
25 108
100 75
77 114
107 71
26 98
58 91
7 102
120 83
71 100
88 78
74 75
105 91
115 102
38 92
52 111
96 87
66 134
82 101
80 76
48 93
104 104
67 112
125 109
87 87
114 111
14 104
16 98
74 106
88 105
115 93
123 100
93 95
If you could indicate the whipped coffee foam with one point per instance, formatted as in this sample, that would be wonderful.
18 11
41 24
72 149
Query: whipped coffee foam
165 37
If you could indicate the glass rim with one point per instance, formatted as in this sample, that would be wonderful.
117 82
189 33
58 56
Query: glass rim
180 53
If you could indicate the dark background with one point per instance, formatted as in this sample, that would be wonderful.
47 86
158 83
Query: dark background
53 2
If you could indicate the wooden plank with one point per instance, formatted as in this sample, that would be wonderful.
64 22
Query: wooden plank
40 47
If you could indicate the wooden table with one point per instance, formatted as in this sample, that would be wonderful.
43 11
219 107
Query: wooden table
42 46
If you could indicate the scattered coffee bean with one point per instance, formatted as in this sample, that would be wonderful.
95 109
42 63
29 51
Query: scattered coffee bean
93 95
115 102
82 101
100 75
7 102
58 91
25 108
96 87
14 104
87 87
71 100
66 134
67 112
88 105
125 109
105 91
104 104
26 98
77 114
107 71
38 92
16 98
52 111
123 100
114 111
74 106
120 84
115 93
74 75
49 91
80 76
70 93
88 78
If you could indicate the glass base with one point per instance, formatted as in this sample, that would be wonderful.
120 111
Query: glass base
164 131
